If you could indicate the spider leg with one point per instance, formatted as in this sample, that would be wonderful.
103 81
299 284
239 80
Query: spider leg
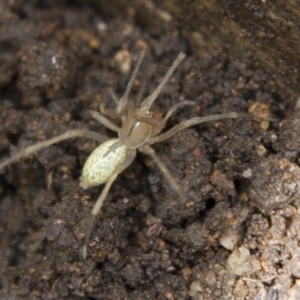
100 200
150 151
108 112
161 123
141 92
176 106
156 123
67 135
104 121
146 105
123 100
96 210
189 123
113 95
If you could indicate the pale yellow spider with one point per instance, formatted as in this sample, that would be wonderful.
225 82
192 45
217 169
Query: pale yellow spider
140 128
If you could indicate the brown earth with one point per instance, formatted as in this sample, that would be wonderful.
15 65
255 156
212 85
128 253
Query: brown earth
236 234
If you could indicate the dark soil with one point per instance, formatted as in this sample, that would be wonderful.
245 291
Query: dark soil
236 234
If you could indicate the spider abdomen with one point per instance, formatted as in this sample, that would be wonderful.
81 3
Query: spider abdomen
102 163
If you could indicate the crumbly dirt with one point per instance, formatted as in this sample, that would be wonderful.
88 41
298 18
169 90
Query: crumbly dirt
234 236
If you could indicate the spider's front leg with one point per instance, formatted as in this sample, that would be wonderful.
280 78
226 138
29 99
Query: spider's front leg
123 101
121 104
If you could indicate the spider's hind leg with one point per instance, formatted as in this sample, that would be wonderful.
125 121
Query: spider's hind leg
97 207
74 133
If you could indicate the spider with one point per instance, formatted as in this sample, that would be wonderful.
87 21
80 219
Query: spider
140 128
